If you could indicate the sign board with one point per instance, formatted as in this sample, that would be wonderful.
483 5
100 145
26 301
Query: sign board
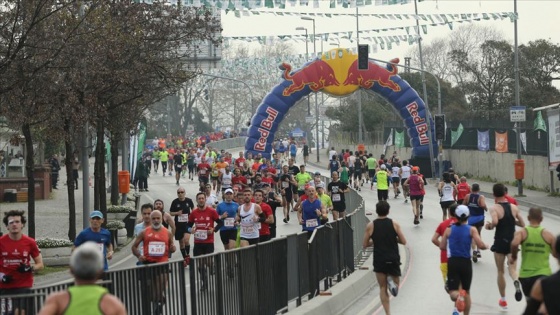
309 119
517 113
553 138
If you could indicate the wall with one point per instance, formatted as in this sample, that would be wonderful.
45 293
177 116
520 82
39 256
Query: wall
497 166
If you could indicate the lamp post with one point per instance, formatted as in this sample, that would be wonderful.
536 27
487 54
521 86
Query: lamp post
306 18
301 28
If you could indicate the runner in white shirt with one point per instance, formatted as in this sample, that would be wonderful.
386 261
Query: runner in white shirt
404 174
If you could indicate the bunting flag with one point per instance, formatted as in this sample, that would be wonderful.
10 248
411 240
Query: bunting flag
483 140
399 139
539 123
455 135
389 141
502 142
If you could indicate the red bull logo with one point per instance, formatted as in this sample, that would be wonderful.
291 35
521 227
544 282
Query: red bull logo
264 129
419 123
317 75
375 74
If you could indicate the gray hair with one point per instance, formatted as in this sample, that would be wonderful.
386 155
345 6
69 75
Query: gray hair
86 261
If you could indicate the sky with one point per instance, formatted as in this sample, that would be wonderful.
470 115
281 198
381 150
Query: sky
537 19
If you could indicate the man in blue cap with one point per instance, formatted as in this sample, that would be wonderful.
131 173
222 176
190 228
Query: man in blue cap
100 236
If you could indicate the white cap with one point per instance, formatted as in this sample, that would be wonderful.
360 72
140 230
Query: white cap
462 211
229 190
383 167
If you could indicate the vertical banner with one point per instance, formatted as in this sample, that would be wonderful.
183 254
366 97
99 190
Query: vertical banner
523 138
389 141
553 137
399 139
483 140
137 142
502 142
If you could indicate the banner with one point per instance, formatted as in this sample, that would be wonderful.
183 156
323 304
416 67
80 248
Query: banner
502 142
389 141
539 122
523 138
455 135
483 140
553 137
137 142
399 139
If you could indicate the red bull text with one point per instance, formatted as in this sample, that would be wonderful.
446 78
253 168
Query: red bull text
264 129
419 123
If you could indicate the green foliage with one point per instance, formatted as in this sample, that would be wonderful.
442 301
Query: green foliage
120 208
53 242
115 225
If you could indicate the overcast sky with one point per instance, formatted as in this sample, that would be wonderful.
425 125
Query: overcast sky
537 19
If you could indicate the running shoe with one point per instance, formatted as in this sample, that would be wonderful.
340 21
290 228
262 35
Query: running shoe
460 303
474 256
518 294
285 221
186 261
503 304
406 201
393 288
416 222
478 254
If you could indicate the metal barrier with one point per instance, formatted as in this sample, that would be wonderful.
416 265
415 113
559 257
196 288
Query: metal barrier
150 289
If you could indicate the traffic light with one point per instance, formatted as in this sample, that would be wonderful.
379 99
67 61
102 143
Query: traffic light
440 127
363 57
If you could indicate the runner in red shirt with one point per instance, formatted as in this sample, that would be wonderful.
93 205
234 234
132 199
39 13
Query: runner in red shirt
509 198
239 179
436 238
204 221
463 189
264 230
203 173
240 161
16 252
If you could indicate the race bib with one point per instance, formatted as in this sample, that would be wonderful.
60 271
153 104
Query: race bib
249 181
201 235
336 197
156 248
202 172
226 181
229 222
101 246
311 223
183 218
285 184
215 173
247 229
258 226
177 165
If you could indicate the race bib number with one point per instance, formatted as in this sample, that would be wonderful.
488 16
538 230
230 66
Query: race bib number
247 229
285 184
336 197
226 181
249 181
229 222
156 249
311 223
177 165
215 173
201 235
202 172
183 218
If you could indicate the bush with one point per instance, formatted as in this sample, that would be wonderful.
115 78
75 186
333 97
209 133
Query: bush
115 225
54 242
120 209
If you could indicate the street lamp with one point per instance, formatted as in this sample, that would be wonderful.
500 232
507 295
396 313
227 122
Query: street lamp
306 18
301 28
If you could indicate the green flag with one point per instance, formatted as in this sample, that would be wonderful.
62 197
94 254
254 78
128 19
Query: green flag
399 139
455 135
539 122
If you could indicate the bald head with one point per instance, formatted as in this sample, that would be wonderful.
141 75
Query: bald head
155 217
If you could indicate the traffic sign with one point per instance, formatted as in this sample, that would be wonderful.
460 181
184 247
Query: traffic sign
517 113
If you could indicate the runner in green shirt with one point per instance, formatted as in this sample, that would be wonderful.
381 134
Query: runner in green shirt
302 178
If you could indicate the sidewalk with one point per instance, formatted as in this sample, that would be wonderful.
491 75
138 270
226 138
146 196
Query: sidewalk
531 198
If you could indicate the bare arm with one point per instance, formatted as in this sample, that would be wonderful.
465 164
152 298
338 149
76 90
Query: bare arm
38 262
435 239
482 202
170 222
137 242
401 239
550 239
494 218
53 303
519 219
476 238
443 243
111 305
466 200
518 238
170 241
367 236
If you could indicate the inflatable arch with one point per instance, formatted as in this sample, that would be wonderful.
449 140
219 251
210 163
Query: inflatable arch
336 72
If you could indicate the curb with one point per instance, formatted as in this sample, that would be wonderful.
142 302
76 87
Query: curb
345 293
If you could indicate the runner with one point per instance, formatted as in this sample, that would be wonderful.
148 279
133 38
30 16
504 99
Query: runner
164 158
415 185
287 181
463 189
383 181
395 178
385 234
358 167
312 212
203 173
436 240
404 174
181 207
544 295
505 217
302 178
227 210
536 245
178 163
155 159
249 216
201 225
264 226
324 198
477 206
457 240
447 191
337 188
